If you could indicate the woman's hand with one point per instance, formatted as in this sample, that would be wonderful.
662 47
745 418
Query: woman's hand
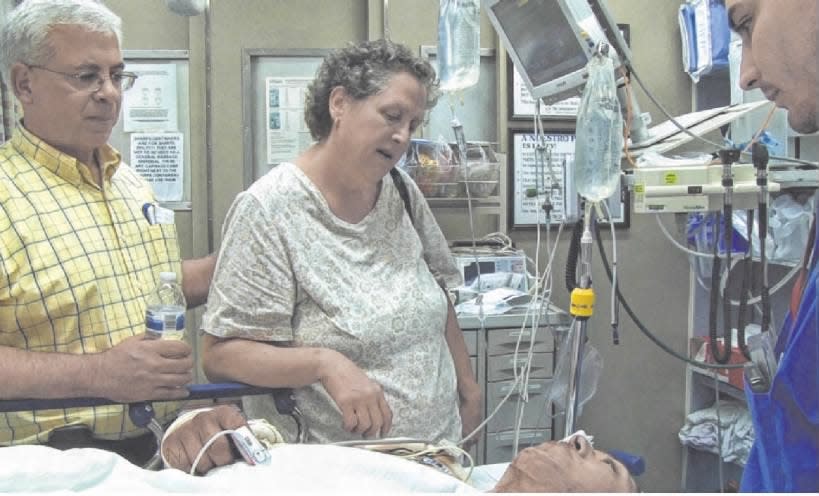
364 408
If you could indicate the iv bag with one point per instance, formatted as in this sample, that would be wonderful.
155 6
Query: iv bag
459 44
599 133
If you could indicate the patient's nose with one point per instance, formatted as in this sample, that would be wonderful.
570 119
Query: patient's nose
582 445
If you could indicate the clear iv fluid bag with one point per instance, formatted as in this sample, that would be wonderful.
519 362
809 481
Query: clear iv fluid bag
599 134
459 44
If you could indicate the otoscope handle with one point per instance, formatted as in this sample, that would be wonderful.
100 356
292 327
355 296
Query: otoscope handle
763 221
759 156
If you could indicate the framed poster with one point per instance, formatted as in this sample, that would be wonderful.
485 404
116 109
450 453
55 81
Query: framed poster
534 173
522 105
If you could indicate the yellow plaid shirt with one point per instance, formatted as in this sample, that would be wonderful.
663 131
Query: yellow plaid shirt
76 263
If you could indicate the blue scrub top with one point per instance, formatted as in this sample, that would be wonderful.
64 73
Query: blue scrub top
785 454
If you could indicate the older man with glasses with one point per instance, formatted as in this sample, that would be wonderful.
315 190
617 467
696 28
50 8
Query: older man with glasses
77 254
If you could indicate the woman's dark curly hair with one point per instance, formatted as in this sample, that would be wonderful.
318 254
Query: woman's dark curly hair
363 70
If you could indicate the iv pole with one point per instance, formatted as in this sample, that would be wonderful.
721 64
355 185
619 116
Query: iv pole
581 308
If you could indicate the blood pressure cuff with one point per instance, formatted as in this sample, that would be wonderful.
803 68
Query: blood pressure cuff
785 454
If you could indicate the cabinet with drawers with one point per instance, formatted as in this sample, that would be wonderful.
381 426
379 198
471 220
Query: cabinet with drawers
491 345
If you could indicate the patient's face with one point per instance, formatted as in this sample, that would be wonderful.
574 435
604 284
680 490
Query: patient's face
566 467
586 469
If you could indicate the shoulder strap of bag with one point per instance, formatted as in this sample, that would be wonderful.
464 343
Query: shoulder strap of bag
403 192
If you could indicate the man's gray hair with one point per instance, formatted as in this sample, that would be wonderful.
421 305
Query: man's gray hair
23 35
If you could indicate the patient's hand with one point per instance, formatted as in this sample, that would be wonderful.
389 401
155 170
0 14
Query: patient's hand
181 446
364 408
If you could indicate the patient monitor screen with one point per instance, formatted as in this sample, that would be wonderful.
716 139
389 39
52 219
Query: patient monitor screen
543 39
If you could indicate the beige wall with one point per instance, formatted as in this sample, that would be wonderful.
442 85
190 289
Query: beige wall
149 25
639 402
237 25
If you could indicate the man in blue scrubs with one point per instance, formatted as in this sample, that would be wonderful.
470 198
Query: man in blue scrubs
779 56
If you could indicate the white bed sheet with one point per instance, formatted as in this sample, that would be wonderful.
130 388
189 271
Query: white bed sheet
293 468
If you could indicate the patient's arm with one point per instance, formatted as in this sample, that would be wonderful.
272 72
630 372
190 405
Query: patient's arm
181 445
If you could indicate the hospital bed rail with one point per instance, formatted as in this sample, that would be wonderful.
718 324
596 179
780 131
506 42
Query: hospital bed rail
142 415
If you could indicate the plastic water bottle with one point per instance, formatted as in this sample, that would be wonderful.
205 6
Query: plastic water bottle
459 44
599 134
165 315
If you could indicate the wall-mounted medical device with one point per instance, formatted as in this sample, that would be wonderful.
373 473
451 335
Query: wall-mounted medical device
693 188
551 41
662 184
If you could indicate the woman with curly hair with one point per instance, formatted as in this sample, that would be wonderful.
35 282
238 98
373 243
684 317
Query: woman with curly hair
325 284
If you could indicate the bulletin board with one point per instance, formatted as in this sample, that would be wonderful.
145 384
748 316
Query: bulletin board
155 119
273 85
473 107
525 173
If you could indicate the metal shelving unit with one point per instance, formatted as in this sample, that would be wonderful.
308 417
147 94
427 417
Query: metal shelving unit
494 205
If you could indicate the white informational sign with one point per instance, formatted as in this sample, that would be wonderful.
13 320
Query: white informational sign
526 172
151 105
158 157
526 169
287 133
523 105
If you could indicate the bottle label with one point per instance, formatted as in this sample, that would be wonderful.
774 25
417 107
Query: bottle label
160 322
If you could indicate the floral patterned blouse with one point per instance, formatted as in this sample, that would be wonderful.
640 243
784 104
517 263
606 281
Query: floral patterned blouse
292 273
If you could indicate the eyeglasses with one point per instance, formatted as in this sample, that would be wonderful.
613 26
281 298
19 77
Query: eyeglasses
91 81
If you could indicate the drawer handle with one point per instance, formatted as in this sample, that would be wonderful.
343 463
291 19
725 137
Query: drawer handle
523 435
533 388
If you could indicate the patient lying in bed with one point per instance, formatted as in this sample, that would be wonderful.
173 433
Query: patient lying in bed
572 466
